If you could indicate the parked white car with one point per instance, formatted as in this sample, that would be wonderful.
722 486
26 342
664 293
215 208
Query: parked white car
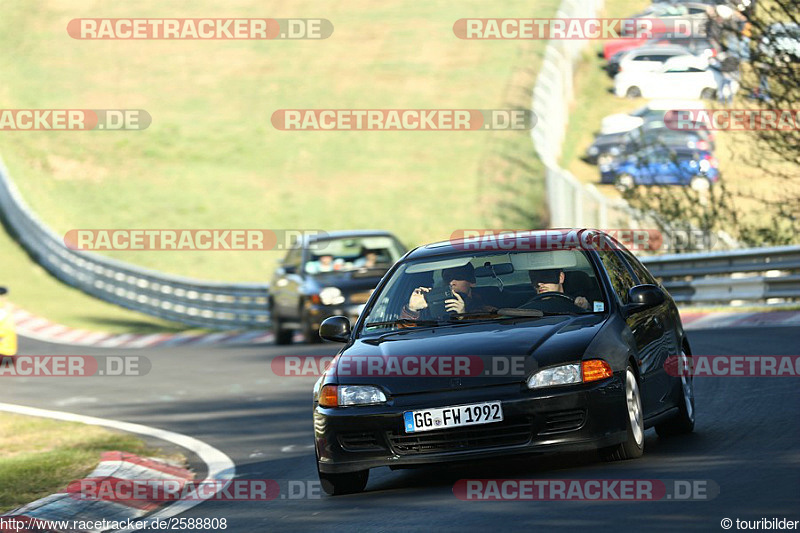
650 58
680 77
621 122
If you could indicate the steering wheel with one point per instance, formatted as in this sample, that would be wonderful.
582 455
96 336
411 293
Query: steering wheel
558 297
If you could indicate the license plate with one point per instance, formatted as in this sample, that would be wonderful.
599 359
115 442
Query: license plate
453 417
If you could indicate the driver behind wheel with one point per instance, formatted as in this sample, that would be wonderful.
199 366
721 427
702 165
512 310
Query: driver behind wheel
552 281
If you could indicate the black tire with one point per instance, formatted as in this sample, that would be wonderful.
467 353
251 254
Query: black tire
310 333
338 484
282 336
633 446
683 422
708 94
633 92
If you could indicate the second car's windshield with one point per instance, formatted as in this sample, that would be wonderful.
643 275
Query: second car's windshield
332 255
487 287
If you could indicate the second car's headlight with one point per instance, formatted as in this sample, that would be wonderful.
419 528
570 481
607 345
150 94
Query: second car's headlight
360 395
557 375
331 296
593 150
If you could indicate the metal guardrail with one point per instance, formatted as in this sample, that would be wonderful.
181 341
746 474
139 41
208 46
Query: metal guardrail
725 277
188 301
709 277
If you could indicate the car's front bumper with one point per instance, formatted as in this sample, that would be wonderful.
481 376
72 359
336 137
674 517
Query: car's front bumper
569 418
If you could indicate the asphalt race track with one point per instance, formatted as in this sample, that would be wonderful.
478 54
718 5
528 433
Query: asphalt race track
747 441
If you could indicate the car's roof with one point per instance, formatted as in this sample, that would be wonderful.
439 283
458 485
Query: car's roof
457 243
344 234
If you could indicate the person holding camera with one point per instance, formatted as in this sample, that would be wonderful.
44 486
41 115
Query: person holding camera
460 282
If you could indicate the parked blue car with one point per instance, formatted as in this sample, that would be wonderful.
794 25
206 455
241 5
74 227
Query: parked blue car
697 169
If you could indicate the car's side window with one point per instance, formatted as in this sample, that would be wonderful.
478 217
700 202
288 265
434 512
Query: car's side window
638 268
618 273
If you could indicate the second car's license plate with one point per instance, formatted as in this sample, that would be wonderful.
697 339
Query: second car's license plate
451 417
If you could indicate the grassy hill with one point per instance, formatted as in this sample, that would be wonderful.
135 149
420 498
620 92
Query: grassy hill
211 158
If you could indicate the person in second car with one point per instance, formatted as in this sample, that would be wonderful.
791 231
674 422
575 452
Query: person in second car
552 280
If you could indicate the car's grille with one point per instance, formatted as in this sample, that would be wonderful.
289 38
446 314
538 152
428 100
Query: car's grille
359 442
563 421
473 438
360 297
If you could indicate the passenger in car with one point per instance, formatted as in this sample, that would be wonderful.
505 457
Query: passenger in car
461 281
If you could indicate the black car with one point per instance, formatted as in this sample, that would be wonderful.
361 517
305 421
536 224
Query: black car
607 147
325 275
561 349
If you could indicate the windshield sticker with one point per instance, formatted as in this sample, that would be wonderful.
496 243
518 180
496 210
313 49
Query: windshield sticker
599 306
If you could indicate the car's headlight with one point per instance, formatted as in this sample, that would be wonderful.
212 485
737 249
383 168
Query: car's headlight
593 150
585 372
557 375
331 296
347 395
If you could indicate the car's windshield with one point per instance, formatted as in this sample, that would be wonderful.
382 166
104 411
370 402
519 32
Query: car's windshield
351 253
481 287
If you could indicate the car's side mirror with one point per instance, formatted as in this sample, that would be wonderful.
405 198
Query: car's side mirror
642 297
3 290
335 328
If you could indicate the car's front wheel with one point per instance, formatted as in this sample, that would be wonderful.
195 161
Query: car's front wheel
349 483
633 92
633 446
282 336
708 94
683 422
310 333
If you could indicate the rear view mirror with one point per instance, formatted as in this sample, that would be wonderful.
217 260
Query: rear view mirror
3 290
490 270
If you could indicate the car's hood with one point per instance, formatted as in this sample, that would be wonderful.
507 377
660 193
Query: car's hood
349 280
488 354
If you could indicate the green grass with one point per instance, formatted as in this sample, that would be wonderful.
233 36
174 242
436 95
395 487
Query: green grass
211 158
41 456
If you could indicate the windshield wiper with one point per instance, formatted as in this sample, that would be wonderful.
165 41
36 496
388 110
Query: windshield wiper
497 314
402 321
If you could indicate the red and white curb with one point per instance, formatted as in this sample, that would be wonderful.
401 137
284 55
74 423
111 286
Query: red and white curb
62 506
70 507
694 320
38 328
